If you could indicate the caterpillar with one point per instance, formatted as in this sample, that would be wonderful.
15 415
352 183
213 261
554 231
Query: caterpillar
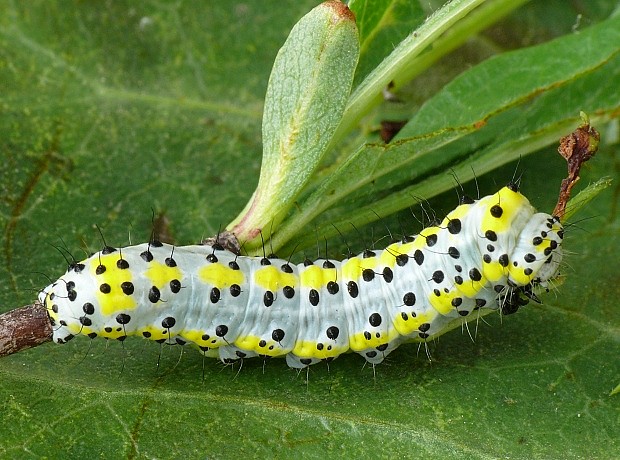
489 253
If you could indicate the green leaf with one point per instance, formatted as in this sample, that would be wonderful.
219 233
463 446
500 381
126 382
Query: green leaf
501 110
308 90
382 24
586 195
110 113
446 29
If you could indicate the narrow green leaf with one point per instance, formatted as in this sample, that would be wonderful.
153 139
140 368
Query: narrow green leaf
466 163
397 66
516 78
308 89
586 195
382 24
446 30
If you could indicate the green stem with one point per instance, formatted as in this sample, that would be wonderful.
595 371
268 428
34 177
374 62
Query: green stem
447 29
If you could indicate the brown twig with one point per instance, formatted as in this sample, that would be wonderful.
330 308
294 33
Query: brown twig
577 148
23 328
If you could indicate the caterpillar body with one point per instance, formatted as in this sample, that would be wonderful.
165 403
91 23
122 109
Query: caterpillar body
485 254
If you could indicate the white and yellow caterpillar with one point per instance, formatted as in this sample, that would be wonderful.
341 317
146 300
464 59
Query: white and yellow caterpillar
486 254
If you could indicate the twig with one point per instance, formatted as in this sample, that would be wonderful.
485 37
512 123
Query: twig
23 328
577 148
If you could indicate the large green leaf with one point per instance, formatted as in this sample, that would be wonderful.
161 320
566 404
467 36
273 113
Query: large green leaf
110 113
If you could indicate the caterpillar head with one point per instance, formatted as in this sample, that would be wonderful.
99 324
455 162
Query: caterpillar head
538 253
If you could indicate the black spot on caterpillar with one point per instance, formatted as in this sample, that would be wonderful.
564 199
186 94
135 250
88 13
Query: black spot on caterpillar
485 254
